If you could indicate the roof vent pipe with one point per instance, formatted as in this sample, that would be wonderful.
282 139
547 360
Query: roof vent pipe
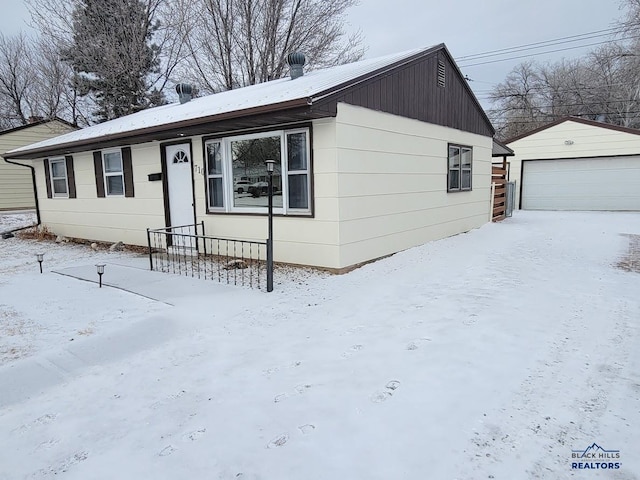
184 92
296 61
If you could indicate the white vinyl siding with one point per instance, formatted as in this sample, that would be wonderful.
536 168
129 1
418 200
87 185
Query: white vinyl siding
392 183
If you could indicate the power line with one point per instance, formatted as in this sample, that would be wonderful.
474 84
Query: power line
544 53
567 105
545 89
538 45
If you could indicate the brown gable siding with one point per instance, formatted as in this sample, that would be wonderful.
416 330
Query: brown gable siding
412 91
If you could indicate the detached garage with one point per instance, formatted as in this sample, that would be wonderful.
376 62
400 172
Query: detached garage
576 164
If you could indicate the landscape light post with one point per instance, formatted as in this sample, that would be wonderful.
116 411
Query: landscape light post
270 166
40 256
100 268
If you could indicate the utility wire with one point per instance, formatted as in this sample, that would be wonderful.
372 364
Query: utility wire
543 53
548 43
567 105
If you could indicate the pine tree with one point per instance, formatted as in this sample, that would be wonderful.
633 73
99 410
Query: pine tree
113 55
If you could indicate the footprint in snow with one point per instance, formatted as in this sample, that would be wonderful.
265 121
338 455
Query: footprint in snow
195 435
384 395
168 399
307 429
280 397
67 463
300 389
415 344
352 351
278 441
380 397
168 450
392 385
43 420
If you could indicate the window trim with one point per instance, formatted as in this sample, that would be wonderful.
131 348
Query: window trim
227 173
62 160
208 176
106 174
459 169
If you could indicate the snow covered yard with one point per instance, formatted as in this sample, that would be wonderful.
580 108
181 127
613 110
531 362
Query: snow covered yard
491 354
16 219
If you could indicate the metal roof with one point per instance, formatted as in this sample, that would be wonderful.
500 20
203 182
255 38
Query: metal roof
281 93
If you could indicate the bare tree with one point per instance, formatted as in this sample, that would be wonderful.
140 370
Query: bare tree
518 101
35 83
603 85
15 74
233 43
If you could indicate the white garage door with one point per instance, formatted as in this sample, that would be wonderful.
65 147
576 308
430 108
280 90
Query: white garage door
605 183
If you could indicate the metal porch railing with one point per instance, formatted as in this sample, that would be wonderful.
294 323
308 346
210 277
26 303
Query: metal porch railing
186 250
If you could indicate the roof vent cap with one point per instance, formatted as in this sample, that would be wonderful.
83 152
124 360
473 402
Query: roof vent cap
184 91
296 61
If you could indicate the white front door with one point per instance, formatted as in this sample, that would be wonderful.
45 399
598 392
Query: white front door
180 186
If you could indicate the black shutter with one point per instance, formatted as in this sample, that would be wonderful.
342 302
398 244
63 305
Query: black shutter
47 177
97 166
71 176
127 170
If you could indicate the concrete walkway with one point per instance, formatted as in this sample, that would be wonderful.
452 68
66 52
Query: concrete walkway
162 287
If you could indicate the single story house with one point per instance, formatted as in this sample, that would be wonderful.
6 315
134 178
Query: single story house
372 157
16 182
577 164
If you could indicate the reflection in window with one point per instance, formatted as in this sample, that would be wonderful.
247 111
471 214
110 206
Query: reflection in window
297 170
113 174
59 177
237 178
214 175
459 174
248 161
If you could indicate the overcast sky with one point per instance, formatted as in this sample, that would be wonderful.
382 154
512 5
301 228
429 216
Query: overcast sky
465 26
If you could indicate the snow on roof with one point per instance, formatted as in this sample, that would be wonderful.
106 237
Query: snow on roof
263 94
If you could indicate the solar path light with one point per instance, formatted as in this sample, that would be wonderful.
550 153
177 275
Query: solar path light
100 268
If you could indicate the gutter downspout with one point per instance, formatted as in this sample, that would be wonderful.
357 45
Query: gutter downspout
35 188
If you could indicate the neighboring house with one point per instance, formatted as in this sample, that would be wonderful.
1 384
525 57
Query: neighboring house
16 183
372 158
576 164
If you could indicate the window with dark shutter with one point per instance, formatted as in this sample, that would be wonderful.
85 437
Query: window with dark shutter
114 172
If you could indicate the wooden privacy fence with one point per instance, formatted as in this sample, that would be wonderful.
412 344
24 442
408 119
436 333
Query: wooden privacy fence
499 180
